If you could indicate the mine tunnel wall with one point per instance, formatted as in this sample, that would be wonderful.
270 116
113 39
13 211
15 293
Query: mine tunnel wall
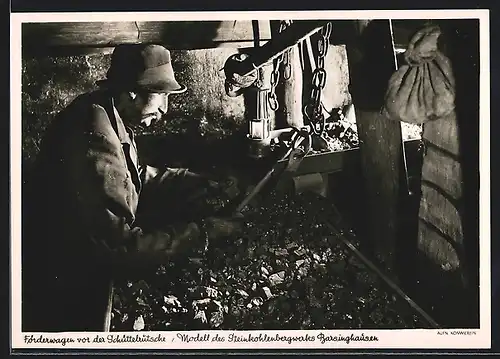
456 176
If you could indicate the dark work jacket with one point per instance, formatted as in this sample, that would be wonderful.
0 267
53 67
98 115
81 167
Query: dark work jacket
79 209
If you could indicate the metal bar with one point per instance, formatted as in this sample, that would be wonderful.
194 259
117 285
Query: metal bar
311 54
266 178
109 308
326 162
261 183
291 36
405 164
375 269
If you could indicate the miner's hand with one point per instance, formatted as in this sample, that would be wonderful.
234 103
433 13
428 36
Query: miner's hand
229 186
156 248
186 241
217 227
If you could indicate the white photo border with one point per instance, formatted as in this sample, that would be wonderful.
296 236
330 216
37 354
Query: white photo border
293 339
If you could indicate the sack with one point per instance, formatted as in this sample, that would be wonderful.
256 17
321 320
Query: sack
424 88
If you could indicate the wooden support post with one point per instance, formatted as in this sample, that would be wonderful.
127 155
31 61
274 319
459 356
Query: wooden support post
292 91
371 63
289 89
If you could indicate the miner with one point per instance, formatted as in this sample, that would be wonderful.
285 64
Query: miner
83 201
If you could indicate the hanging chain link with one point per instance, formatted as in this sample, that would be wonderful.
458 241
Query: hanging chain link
287 66
313 110
282 60
260 78
275 77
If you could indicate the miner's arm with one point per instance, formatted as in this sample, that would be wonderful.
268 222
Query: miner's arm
107 200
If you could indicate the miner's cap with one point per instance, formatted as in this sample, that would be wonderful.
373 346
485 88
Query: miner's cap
142 66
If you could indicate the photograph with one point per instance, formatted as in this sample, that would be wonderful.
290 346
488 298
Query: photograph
305 179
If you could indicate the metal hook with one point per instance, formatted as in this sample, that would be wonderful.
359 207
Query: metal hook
138 30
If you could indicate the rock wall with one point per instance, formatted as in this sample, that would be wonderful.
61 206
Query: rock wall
204 114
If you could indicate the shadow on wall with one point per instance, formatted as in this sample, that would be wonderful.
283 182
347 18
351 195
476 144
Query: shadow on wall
466 68
452 291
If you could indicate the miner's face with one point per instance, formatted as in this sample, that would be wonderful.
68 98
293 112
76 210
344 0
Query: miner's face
143 108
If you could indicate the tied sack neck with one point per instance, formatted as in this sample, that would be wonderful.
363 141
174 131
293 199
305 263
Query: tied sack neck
423 46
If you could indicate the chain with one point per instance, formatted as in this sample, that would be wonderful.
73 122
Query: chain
313 110
260 78
287 66
275 77
282 60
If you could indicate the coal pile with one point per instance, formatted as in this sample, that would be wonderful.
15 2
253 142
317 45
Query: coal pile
341 136
288 271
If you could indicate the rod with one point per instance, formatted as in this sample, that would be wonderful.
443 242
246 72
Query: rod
405 162
261 183
291 36
386 279
109 308
266 178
